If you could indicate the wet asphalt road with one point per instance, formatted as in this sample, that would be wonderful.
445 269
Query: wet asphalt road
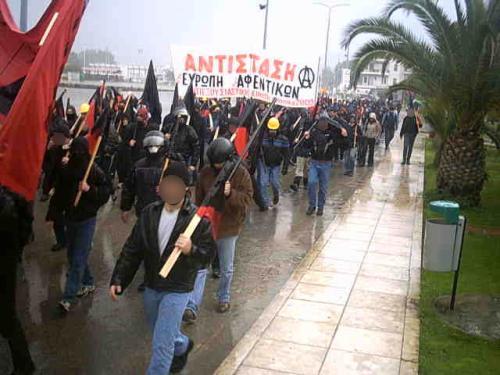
102 337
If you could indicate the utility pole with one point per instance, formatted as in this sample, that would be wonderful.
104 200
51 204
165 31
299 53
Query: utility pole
265 24
330 7
23 22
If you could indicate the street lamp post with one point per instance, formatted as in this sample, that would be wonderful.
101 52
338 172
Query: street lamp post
330 7
265 24
23 18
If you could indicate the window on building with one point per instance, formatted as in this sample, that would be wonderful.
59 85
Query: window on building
372 67
395 67
384 80
365 80
394 81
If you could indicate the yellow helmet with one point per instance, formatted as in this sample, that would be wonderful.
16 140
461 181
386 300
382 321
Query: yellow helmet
84 108
273 123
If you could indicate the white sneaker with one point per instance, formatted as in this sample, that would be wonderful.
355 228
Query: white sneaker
86 290
65 305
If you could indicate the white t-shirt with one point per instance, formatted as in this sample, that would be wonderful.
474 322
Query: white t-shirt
165 227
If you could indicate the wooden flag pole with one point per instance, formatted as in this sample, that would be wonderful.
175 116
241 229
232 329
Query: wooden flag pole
296 123
216 135
169 264
77 123
210 121
124 111
89 167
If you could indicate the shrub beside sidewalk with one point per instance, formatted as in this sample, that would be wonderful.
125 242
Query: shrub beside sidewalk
444 349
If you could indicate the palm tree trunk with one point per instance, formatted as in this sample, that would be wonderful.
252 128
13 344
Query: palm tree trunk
461 172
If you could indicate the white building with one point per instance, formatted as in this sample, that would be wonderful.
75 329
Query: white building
371 80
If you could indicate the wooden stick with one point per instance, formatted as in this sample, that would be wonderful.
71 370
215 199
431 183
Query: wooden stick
169 264
296 123
124 111
167 267
89 167
210 121
77 123
216 135
165 166
48 29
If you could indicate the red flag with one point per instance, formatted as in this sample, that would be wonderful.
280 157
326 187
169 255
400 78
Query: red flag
35 61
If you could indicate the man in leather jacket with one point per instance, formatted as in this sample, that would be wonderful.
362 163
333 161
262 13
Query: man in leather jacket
155 235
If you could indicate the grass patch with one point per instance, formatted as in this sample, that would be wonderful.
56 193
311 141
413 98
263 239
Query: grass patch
443 349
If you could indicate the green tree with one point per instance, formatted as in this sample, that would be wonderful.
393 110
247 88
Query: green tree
456 70
74 64
96 56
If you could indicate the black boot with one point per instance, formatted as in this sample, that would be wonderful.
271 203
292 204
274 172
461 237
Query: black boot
180 361
310 211
305 181
296 184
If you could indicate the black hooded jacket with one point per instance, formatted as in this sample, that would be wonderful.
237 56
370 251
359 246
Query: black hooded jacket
66 187
140 186
142 245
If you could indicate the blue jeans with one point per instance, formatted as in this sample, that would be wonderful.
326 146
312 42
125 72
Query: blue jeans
164 312
319 174
225 250
349 160
59 227
268 175
79 244
196 296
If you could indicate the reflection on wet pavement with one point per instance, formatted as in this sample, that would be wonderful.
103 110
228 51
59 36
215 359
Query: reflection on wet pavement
101 337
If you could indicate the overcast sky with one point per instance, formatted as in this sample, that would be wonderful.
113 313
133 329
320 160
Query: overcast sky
137 30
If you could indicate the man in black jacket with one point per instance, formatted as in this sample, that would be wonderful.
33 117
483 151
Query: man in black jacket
321 142
156 233
273 154
56 151
409 130
16 218
183 140
140 188
80 219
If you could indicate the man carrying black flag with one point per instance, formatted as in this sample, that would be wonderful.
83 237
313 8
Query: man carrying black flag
150 96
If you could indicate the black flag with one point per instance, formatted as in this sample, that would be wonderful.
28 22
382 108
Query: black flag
175 99
189 99
150 96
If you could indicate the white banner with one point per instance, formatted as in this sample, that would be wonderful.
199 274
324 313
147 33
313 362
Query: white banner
253 74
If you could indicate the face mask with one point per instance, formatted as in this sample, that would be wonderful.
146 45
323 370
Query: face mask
153 149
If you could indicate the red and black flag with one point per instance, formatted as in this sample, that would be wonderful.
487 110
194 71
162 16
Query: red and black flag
97 123
31 64
213 204
150 96
243 131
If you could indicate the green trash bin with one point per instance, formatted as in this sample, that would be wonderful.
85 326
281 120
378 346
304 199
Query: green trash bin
443 237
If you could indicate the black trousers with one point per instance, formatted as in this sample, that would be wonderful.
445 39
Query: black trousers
10 326
366 146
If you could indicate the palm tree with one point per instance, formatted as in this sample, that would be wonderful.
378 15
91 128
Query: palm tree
456 69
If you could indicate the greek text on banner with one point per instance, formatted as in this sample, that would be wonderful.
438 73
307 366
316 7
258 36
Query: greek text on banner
253 74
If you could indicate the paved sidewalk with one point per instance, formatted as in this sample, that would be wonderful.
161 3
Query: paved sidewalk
351 305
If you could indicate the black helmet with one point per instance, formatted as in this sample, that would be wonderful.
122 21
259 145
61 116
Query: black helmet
153 141
220 150
70 110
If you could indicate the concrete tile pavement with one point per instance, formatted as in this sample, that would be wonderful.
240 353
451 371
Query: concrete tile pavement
351 306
